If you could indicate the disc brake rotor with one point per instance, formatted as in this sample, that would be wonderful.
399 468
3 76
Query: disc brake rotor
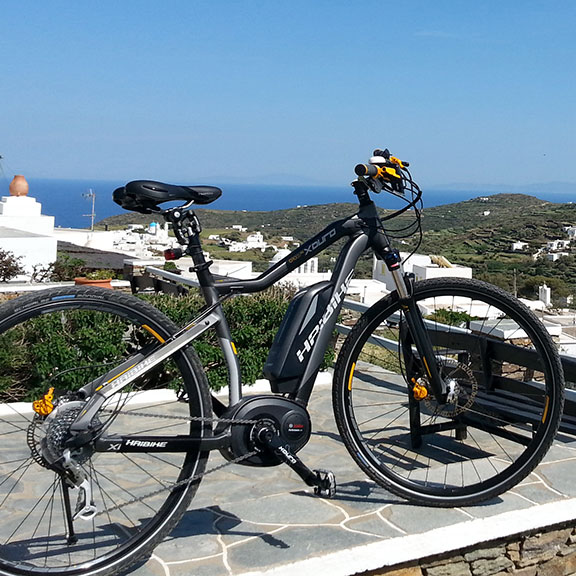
462 393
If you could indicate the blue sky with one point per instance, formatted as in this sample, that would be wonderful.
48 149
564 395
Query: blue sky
288 92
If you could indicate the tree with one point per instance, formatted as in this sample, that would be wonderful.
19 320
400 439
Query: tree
10 265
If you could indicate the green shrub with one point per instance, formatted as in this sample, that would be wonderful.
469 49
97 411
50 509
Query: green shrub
10 265
253 320
100 274
46 351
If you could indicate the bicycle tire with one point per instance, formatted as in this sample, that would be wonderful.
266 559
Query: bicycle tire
65 337
500 361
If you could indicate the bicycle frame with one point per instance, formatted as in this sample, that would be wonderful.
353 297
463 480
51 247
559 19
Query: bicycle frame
364 230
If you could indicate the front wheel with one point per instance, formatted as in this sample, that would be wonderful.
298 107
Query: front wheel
505 394
64 339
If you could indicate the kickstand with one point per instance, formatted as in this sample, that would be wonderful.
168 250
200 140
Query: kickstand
323 481
72 538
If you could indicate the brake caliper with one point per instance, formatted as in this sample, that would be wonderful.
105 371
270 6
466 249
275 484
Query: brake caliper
419 390
44 406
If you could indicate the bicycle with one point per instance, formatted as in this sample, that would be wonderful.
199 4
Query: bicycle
446 392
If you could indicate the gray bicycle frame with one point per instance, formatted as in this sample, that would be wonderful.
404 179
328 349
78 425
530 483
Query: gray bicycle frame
364 230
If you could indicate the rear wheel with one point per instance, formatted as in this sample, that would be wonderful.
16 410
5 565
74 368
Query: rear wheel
63 339
505 398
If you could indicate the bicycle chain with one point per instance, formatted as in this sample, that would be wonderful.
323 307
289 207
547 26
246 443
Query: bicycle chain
194 478
186 418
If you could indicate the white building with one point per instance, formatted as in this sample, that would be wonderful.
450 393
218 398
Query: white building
545 294
26 232
35 252
256 241
557 245
133 241
253 241
25 213
423 267
237 247
308 267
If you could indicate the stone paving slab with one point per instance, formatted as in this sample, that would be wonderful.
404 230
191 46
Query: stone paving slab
255 521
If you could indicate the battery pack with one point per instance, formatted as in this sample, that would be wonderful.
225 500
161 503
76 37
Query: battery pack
287 359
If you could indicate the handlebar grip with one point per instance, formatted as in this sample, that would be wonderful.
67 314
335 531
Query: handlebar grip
366 170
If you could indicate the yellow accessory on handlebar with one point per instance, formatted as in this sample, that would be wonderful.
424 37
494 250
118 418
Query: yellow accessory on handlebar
396 161
386 172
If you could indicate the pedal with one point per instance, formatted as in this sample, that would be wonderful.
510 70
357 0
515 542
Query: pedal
326 484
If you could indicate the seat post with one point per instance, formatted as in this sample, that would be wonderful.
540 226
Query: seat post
187 229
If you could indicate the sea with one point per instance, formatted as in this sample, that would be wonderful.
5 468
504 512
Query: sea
71 201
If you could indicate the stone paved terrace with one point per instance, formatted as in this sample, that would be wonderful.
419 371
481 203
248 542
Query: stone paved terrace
252 521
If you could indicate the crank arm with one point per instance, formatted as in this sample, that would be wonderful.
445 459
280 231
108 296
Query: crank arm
323 481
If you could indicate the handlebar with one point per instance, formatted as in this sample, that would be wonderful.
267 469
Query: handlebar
384 172
388 171
381 160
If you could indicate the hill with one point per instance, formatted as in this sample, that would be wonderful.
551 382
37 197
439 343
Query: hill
492 221
480 232
299 222
477 232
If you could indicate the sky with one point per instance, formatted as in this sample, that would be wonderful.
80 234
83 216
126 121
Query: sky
293 92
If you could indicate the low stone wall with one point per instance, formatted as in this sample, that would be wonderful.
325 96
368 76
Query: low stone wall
547 553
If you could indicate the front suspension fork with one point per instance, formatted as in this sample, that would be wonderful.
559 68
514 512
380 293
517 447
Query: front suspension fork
415 323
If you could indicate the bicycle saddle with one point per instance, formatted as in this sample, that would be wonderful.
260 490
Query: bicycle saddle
145 195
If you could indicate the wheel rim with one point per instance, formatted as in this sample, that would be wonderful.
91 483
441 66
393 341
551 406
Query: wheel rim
494 435
65 343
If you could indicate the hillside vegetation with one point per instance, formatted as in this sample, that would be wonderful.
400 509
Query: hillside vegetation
478 233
